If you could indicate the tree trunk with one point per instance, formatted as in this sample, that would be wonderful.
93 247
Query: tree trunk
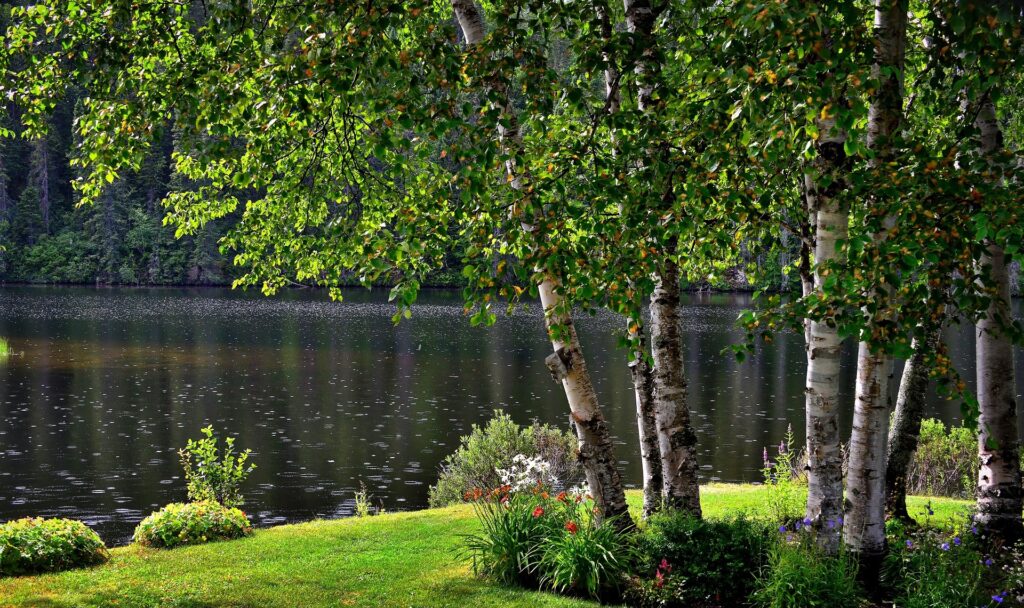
567 363
864 532
824 458
646 422
676 438
906 425
999 478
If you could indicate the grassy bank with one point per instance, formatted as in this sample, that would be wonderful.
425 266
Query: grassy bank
402 559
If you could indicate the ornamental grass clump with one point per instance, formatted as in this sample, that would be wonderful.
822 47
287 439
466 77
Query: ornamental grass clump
191 523
33 544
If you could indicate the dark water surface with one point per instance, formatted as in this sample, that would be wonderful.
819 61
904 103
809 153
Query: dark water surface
110 382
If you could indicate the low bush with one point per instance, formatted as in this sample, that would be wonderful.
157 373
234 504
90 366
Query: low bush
502 451
191 524
212 474
685 561
800 575
785 481
35 544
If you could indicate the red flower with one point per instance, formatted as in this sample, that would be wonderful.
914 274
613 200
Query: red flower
538 511
659 579
665 566
562 497
571 527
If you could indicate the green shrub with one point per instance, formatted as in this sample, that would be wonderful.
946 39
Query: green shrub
488 450
192 524
800 575
945 463
212 475
929 568
35 544
686 561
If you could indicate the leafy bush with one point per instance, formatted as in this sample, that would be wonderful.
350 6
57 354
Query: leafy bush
211 475
929 568
35 544
488 450
945 463
686 561
800 575
192 524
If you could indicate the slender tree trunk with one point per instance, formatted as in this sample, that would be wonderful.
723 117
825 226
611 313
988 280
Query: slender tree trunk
567 363
676 438
865 480
646 422
999 478
642 374
824 458
906 424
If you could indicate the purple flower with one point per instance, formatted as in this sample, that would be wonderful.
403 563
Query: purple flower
807 521
974 529
956 541
782 447
798 525
831 524
910 544
997 598
944 546
988 561
782 529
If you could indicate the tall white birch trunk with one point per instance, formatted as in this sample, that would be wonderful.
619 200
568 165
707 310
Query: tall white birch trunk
567 363
906 424
676 438
640 369
999 478
824 458
864 532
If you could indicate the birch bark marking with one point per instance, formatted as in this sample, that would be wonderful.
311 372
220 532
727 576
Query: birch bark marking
864 532
676 437
567 363
999 477
640 369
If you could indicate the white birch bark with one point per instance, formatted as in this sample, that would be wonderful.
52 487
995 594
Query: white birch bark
567 363
864 532
999 477
676 438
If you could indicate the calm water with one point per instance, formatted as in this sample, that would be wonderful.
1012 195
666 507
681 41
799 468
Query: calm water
110 382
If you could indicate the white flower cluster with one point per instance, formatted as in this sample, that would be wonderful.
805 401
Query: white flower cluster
525 473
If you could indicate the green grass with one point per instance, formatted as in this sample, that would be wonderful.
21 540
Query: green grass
401 559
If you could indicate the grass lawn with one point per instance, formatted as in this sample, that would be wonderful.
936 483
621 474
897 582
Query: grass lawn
401 559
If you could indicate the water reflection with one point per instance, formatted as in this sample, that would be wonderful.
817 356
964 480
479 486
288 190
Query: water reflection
111 382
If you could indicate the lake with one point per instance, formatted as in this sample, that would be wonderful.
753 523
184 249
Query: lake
109 383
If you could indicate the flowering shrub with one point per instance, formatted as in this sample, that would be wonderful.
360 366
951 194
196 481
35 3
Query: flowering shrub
191 524
800 575
785 482
534 538
688 562
35 544
930 568
489 451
